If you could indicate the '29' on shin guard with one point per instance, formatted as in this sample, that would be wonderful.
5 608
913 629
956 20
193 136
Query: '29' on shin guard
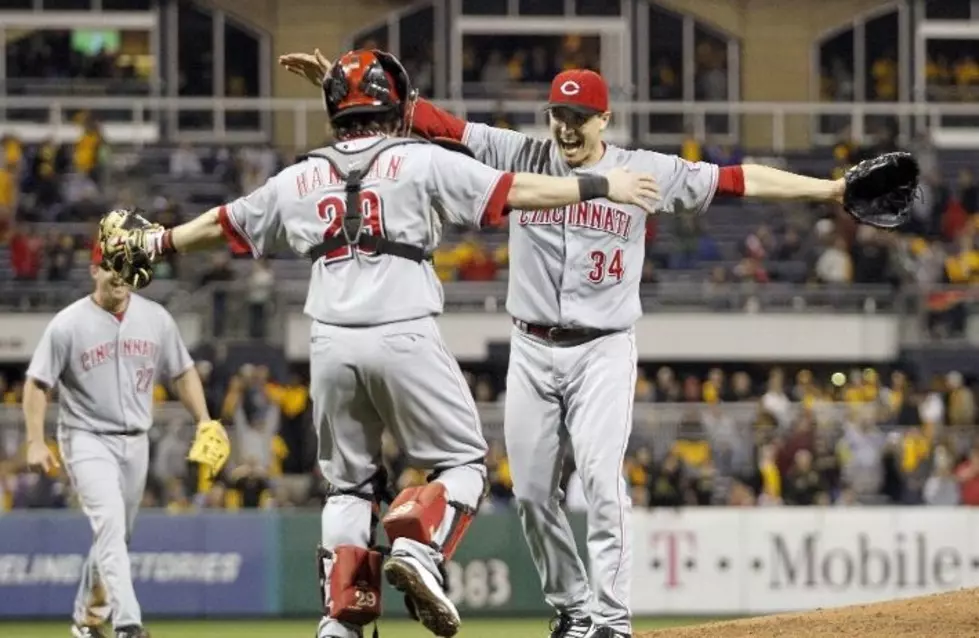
350 579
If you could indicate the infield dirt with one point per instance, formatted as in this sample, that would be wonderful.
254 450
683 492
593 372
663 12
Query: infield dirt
955 615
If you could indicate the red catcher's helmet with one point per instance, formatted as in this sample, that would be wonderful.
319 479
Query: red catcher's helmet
367 82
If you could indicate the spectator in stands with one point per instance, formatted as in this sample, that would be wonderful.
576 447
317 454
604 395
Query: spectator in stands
802 482
87 157
495 75
251 485
870 257
690 149
261 287
954 219
751 270
884 74
715 289
941 488
498 474
769 478
961 401
827 464
645 391
47 165
61 257
863 448
715 388
775 401
834 265
476 263
9 193
664 82
26 256
968 192
967 475
741 387
666 483
900 485
184 162
170 452
966 73
667 387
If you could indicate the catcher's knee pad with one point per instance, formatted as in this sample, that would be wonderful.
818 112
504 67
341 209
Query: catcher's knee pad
424 514
350 578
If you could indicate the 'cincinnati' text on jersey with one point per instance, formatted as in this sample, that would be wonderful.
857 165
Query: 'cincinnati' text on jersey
583 215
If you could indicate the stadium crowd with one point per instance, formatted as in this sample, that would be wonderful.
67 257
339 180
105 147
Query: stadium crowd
721 439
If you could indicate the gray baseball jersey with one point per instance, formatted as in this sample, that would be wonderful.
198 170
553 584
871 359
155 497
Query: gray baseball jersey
580 266
406 193
105 366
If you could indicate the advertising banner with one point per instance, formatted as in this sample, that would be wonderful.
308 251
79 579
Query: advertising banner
746 561
204 565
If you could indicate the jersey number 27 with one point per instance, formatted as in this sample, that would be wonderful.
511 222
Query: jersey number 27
331 210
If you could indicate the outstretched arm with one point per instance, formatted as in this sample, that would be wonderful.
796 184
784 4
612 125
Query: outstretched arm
765 182
246 225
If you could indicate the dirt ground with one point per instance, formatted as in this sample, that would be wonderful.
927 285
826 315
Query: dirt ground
955 615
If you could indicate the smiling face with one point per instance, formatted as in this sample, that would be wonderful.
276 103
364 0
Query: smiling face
110 291
578 135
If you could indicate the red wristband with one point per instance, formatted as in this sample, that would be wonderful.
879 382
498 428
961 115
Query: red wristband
730 181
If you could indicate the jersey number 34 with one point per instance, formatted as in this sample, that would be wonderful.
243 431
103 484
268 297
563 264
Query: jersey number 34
605 265
331 210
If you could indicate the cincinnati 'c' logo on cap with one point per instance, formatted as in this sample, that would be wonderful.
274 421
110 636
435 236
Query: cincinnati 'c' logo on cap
570 88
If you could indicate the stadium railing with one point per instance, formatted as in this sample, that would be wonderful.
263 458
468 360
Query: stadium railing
151 120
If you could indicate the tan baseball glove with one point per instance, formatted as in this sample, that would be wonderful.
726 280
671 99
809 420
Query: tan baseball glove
211 447
123 237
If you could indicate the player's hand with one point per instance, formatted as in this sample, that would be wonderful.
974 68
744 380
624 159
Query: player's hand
312 67
638 189
39 455
839 187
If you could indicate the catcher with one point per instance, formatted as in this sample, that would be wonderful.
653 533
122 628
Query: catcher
104 354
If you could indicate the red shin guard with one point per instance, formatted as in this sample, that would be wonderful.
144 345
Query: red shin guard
419 512
355 583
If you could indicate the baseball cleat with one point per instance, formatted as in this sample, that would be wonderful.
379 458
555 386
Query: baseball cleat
433 608
86 631
132 632
604 631
565 626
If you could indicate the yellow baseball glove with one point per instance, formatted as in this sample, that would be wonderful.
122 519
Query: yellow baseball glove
211 446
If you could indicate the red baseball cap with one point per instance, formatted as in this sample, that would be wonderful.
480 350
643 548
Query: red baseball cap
580 90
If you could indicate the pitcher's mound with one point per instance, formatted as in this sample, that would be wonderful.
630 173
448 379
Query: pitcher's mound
954 614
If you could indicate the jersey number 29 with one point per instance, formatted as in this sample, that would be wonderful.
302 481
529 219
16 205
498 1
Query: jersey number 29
605 265
331 210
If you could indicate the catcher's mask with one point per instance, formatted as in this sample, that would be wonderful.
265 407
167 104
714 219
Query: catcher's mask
365 82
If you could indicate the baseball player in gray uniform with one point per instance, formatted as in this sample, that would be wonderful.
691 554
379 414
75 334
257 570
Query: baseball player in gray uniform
574 298
367 212
103 354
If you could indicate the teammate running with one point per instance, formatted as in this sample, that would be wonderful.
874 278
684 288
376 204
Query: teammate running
367 211
103 354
